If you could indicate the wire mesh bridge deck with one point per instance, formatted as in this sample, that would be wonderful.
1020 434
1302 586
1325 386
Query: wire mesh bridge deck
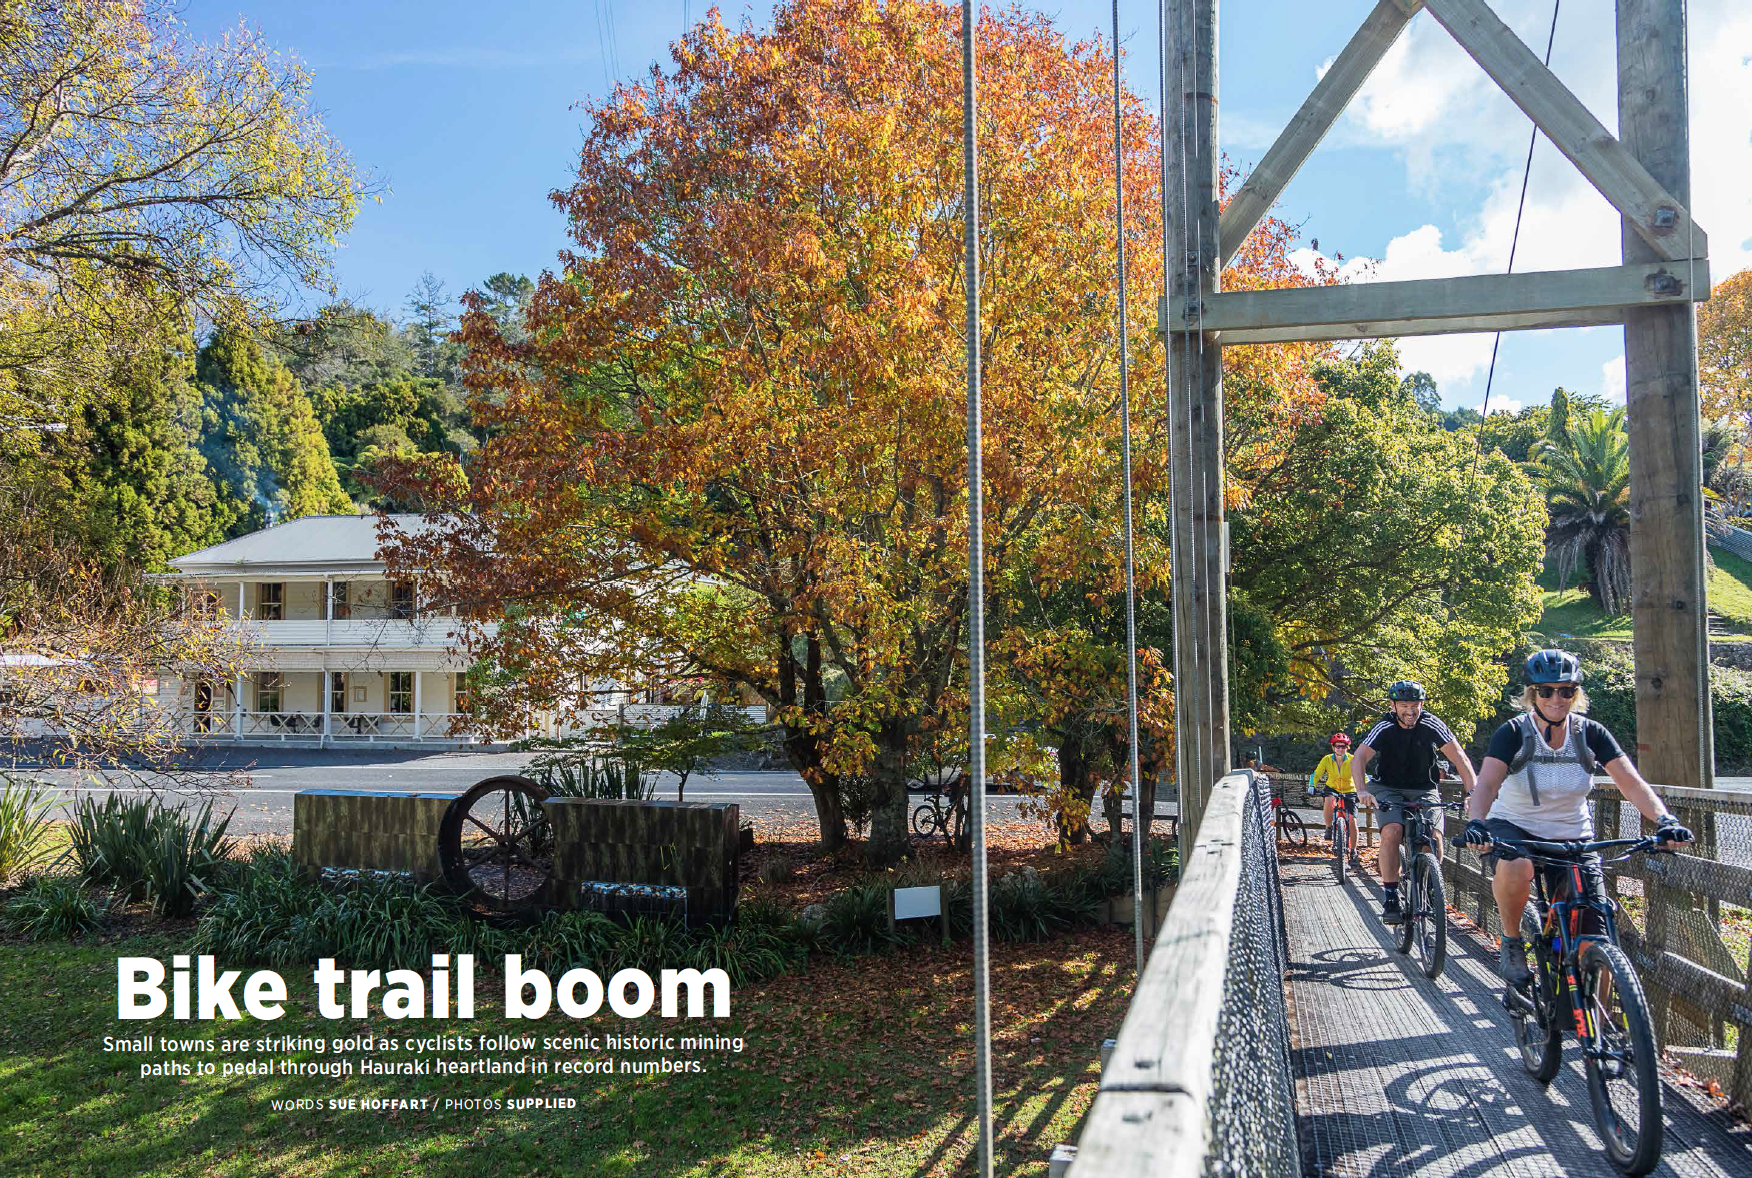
1397 1075
1277 1032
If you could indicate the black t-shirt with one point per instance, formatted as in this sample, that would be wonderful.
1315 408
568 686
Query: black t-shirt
1405 758
1505 742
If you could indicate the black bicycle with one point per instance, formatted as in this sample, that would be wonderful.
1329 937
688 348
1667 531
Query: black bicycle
942 812
1422 897
1342 832
1584 980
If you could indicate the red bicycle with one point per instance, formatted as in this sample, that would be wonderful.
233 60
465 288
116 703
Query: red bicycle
1290 827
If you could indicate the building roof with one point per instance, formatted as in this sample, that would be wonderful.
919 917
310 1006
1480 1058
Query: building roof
314 544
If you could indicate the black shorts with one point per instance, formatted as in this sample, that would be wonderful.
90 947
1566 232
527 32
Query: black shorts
1559 880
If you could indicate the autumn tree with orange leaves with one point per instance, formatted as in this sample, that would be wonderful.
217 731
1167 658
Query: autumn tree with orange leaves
730 444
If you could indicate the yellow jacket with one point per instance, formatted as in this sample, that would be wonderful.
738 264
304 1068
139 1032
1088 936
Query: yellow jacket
1334 774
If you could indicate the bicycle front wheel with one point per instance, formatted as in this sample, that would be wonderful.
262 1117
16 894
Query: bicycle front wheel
1540 1035
1624 1083
925 822
1341 845
1427 916
1291 828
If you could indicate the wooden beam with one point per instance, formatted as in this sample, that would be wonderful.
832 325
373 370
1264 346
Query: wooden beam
1669 608
1303 133
1151 1117
1441 306
1659 217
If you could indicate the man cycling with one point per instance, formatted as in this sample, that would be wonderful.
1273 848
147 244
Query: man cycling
1534 783
1407 743
1333 773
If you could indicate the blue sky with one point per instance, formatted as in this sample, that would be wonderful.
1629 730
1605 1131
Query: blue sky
464 110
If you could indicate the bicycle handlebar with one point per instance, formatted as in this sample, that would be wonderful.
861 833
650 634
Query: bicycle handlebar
1568 852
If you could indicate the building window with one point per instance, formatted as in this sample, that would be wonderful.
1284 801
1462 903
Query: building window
337 691
343 607
401 692
401 599
269 687
271 601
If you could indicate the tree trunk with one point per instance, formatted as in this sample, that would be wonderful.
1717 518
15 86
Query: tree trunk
888 843
1073 784
803 748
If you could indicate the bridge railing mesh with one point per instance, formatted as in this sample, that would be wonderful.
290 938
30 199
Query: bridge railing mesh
1199 1082
1685 921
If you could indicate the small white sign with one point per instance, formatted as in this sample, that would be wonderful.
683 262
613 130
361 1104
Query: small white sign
911 903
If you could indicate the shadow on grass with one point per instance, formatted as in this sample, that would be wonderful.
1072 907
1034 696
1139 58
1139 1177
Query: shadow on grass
864 1066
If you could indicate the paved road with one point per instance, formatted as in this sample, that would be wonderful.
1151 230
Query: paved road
1398 1076
269 779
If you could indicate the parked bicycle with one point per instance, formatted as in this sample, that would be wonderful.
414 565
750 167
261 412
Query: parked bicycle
1342 834
1582 981
1422 895
942 812
1290 827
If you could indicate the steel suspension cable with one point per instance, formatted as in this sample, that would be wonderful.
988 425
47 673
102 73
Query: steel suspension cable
1131 617
1496 343
982 1015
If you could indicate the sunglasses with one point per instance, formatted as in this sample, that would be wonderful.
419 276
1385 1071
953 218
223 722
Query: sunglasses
1568 691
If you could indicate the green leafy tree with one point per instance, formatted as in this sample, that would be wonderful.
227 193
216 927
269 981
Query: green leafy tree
1377 550
365 424
145 175
344 344
1420 387
1514 435
506 298
1587 489
687 742
262 437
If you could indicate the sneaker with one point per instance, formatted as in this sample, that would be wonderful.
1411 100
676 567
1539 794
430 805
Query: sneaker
1512 962
1390 913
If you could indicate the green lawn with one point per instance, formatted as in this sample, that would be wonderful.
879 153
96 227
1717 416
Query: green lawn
863 1068
1572 613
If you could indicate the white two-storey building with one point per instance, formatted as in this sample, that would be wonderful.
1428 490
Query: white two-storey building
340 652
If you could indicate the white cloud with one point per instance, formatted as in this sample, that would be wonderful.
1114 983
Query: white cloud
1430 102
1505 405
1612 379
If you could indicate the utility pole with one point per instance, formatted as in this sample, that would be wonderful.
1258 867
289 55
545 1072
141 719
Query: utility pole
1193 268
1670 612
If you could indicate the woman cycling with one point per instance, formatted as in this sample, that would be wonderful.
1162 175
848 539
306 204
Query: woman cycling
1534 784
1333 773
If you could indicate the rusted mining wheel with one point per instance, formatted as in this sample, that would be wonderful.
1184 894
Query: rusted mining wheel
496 846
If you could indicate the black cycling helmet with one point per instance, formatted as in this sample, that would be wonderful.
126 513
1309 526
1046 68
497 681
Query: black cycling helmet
1406 689
1553 666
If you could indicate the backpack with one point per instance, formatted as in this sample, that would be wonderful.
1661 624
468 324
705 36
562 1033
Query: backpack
1529 733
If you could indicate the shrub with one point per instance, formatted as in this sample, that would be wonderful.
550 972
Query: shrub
746 952
1022 909
566 940
592 775
52 907
776 872
647 942
264 915
147 850
857 921
24 825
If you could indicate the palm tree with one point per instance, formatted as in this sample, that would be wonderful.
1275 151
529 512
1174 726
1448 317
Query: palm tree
1587 492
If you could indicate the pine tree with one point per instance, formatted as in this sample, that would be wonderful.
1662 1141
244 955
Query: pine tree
263 439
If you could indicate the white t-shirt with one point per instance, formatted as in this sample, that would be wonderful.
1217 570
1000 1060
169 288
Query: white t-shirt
1548 798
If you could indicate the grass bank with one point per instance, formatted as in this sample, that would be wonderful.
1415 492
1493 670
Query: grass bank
855 1068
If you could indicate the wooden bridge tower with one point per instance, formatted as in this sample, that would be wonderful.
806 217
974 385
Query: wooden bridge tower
1644 172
